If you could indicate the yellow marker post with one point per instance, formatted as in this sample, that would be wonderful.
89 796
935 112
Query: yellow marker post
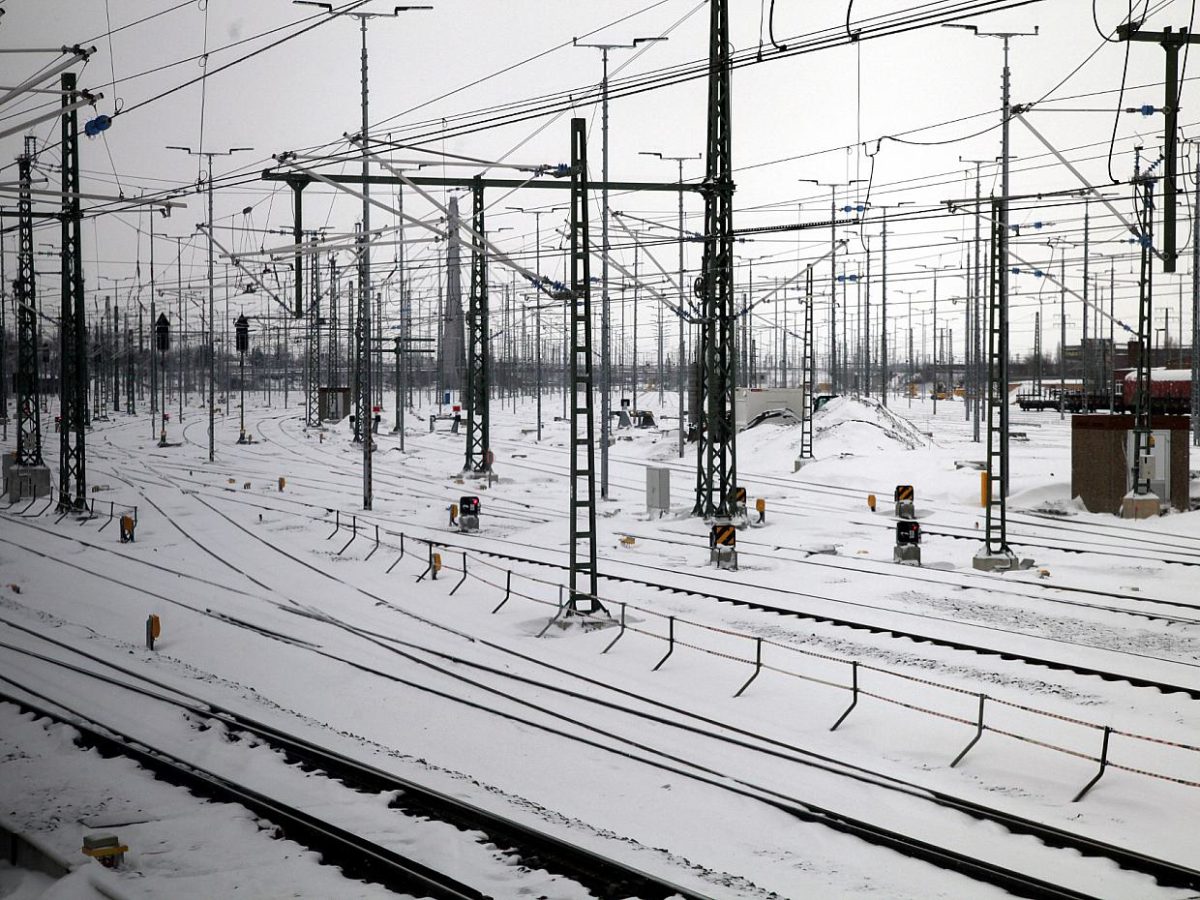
984 489
871 501
282 483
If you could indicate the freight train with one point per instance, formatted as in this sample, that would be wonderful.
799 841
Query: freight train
1170 394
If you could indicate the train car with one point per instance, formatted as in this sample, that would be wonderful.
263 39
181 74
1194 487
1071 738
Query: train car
1170 391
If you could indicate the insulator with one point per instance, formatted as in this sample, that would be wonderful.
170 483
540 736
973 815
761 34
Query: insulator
97 125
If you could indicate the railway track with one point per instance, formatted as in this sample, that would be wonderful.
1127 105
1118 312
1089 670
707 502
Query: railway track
602 875
1128 675
1164 551
1022 890
1148 607
357 856
700 586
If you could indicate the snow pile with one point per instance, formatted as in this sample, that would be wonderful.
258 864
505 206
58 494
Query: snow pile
859 426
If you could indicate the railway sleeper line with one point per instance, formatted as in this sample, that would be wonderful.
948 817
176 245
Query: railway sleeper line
986 583
973 581
837 621
795 507
990 586
360 777
537 562
1057 665
808 615
358 857
355 856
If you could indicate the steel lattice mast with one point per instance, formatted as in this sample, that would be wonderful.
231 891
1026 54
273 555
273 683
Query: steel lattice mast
808 370
995 512
312 347
365 418
1144 184
716 448
29 420
583 444
476 387
72 467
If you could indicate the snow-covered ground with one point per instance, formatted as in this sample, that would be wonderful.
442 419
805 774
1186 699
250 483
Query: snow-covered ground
553 731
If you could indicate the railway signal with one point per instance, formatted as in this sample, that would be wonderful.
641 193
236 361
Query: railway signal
241 329
468 515
908 543
723 546
162 343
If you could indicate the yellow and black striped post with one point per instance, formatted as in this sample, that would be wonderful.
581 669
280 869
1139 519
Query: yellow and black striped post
723 536
723 542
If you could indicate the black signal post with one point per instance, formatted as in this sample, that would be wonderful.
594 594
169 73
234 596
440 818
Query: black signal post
241 329
162 343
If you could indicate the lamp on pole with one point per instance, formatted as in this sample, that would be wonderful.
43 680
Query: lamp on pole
679 160
833 186
365 417
934 269
212 355
996 551
911 361
883 337
537 312
1062 324
605 312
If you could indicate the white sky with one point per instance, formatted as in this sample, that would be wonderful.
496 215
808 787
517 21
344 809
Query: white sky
795 118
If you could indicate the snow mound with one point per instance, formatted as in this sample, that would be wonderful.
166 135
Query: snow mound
843 427
858 425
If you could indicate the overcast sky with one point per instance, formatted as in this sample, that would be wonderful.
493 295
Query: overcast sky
801 117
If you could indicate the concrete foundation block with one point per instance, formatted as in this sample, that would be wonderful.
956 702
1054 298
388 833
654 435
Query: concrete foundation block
1003 561
1140 506
27 482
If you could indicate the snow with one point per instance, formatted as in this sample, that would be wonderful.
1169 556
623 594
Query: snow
438 689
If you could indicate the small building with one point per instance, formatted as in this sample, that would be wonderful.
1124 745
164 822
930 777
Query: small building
333 403
1101 465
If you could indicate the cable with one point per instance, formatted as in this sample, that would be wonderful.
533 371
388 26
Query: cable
771 29
112 64
1096 25
203 97
321 20
1183 69
118 30
1120 101
817 41
1161 5
762 8
514 66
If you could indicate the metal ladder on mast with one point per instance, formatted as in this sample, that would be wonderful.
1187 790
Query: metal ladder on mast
582 595
996 533
808 373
